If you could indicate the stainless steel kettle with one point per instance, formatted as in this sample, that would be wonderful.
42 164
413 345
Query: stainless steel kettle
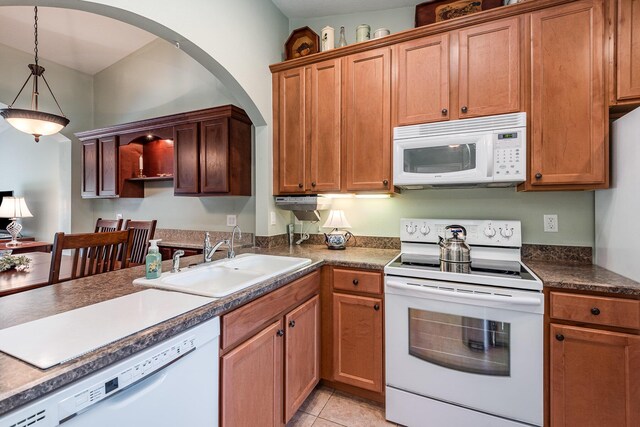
455 249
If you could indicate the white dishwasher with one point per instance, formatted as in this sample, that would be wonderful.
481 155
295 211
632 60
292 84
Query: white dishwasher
174 383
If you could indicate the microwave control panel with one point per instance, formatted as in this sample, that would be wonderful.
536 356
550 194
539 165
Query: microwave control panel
509 156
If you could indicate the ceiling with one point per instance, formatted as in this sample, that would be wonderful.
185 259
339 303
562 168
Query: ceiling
80 40
317 8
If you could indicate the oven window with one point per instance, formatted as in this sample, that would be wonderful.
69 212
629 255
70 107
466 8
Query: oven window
441 159
462 343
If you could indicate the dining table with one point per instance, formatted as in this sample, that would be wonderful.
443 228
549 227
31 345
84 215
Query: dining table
36 276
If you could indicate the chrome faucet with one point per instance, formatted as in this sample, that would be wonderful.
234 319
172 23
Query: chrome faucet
231 253
176 260
208 250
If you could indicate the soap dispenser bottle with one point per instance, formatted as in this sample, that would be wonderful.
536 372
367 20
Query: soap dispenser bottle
154 261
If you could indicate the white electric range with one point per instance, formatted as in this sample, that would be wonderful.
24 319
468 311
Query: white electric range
463 348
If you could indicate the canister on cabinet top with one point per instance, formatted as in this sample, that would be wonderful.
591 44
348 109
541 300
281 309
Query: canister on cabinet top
327 39
363 33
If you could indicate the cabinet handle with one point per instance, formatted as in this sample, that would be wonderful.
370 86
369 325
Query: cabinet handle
385 182
280 332
292 323
300 185
595 311
464 109
560 337
445 111
313 184
538 175
355 282
376 307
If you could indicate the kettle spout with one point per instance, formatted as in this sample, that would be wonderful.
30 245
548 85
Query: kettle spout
441 242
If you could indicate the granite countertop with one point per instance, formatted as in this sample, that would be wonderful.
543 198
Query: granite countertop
21 383
583 277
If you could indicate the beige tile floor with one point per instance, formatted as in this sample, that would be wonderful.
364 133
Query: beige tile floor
326 407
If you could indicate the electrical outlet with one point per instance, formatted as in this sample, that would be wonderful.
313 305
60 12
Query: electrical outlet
551 223
232 220
118 216
272 217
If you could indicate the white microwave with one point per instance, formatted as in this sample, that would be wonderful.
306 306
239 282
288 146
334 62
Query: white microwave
480 152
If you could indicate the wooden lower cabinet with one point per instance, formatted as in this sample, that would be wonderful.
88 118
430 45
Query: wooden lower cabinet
252 380
357 341
594 377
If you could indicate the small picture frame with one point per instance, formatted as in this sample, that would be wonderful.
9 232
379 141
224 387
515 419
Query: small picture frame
302 42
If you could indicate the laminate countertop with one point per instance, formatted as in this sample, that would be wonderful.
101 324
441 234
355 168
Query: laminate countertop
21 383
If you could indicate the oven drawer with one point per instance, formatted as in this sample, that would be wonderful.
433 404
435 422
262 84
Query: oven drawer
357 281
616 312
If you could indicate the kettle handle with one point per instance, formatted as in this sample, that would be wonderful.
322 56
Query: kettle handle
456 229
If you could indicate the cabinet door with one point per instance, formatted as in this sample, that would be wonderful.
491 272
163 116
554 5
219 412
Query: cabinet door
90 168
421 81
489 68
367 112
568 117
108 166
292 129
357 341
251 391
326 131
302 355
628 49
186 174
594 377
214 156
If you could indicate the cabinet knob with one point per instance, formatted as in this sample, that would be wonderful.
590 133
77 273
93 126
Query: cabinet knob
538 175
560 337
445 111
292 323
313 184
385 182
300 185
464 109
595 311
376 307
280 332
355 282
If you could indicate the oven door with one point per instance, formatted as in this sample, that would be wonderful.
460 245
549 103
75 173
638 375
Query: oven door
474 346
440 160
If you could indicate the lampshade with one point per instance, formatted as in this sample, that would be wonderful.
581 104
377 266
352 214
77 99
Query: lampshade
337 219
14 207
37 123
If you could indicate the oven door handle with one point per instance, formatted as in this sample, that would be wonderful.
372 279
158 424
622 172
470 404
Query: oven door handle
465 295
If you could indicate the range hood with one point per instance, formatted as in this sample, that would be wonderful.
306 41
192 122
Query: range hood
305 208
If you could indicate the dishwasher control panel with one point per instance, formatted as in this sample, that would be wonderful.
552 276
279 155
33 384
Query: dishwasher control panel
130 375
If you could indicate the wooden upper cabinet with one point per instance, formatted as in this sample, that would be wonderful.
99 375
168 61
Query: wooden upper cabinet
251 376
421 81
367 116
568 100
214 156
594 377
90 168
186 163
489 68
326 129
292 138
108 166
628 50
302 355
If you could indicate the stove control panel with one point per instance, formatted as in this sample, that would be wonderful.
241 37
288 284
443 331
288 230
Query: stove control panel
479 232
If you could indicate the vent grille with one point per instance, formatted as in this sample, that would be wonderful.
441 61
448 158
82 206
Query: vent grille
37 418
480 124
459 290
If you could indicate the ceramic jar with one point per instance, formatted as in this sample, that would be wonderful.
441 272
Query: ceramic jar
327 39
381 32
363 33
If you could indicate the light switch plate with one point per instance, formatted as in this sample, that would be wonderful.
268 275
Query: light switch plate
232 220
550 223
272 216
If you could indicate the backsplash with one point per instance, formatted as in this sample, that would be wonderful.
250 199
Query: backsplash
174 237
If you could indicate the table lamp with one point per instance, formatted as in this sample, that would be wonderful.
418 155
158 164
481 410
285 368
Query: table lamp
14 208
337 239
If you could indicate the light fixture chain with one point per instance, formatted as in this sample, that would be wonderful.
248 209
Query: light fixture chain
35 29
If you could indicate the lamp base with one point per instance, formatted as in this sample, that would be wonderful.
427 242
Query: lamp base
14 228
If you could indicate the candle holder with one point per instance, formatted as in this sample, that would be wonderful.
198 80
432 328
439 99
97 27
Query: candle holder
140 174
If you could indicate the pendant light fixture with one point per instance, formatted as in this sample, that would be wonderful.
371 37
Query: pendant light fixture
32 121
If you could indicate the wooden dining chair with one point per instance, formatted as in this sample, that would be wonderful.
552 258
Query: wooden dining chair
143 231
106 225
93 253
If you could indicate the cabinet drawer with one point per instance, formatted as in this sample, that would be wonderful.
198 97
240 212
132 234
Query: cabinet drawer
615 312
357 280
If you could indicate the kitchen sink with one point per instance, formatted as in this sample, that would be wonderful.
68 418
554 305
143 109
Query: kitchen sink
221 278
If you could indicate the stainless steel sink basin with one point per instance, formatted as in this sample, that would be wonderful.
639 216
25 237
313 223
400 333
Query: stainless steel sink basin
221 278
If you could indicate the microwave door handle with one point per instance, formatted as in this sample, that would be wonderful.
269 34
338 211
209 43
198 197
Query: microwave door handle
490 155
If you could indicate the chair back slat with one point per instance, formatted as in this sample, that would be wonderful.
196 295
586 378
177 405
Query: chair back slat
143 232
93 253
108 225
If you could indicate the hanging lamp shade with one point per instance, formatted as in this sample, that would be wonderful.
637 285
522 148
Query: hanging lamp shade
33 121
